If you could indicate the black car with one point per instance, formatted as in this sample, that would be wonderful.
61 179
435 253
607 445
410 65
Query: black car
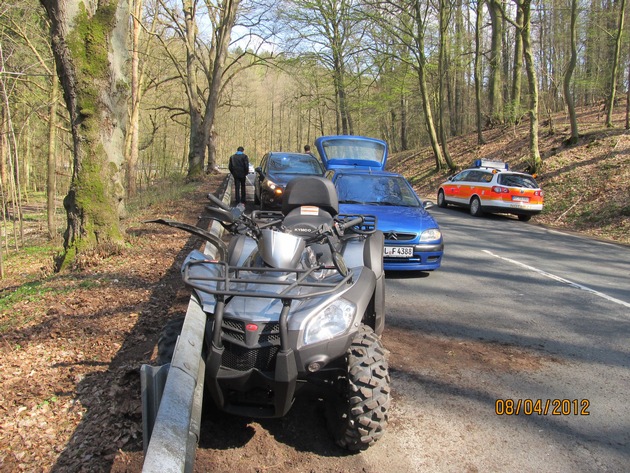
276 170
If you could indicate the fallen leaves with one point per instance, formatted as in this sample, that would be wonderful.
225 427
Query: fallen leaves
69 363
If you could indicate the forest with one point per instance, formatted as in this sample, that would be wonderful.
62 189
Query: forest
99 100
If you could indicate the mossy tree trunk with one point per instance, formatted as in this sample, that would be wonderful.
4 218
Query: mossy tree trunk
89 44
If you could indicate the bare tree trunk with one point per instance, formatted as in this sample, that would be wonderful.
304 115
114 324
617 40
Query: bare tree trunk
198 138
202 115
131 145
90 49
419 25
515 111
494 7
568 76
342 103
3 148
212 152
458 113
404 145
615 65
222 35
627 102
13 173
478 24
444 14
4 178
534 152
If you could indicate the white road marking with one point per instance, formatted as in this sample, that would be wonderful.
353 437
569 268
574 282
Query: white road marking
560 279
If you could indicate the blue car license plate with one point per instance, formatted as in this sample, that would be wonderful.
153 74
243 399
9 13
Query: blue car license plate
398 251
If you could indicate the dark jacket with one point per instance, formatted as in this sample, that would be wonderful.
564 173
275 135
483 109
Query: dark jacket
239 165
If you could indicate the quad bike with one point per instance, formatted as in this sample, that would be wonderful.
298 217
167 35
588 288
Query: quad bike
295 300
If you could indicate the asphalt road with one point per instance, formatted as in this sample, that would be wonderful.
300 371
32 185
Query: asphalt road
513 356
562 298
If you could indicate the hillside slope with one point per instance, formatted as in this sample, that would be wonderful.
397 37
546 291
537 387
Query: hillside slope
587 186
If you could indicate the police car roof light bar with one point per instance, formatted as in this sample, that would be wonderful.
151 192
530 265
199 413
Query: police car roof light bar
484 163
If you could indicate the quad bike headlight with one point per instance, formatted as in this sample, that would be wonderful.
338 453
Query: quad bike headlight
330 322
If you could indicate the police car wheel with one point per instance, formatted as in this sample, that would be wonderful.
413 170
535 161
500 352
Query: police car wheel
475 207
442 200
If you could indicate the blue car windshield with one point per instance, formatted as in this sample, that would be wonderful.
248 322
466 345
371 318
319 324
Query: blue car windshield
295 164
375 190
352 149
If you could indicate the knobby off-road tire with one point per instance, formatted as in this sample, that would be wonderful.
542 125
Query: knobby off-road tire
168 339
360 415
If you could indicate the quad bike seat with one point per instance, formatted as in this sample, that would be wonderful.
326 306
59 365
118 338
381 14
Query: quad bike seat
310 191
309 202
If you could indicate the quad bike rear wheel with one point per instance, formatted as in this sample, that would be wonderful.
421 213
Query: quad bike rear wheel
168 339
359 416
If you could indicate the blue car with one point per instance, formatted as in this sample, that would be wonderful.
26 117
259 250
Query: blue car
413 240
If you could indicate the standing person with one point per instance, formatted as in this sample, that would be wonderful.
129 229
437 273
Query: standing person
307 150
239 167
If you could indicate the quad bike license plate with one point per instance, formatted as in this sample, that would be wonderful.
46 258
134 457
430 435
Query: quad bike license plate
398 251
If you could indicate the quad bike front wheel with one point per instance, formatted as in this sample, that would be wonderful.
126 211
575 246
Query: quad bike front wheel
359 416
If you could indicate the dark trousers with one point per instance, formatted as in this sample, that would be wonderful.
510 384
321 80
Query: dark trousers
239 189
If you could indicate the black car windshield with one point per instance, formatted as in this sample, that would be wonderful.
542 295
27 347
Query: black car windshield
517 180
295 164
376 190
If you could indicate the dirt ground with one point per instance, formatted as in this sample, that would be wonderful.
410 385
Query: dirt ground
69 372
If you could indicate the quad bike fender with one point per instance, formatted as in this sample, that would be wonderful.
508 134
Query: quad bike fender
373 257
373 253
366 252
205 300
239 249
369 253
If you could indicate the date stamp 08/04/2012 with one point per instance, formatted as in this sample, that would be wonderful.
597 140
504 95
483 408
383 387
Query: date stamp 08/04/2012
542 407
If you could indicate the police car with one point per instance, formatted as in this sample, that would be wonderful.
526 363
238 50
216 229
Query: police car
490 187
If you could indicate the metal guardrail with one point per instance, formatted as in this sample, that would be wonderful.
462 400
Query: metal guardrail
172 394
